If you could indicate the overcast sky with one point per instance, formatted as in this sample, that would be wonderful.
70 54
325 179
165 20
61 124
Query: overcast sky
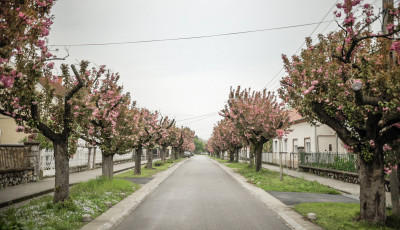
186 79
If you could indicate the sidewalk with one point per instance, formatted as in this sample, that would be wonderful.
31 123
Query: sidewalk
18 193
349 188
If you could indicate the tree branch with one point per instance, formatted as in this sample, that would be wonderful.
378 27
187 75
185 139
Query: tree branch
336 125
389 135
361 99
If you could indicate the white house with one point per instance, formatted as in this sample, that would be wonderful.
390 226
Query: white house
308 138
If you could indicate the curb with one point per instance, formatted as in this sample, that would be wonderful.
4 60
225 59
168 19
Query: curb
292 218
121 210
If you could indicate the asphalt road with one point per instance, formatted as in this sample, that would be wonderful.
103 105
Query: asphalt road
200 195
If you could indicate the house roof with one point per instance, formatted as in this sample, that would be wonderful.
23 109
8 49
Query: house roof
295 117
60 89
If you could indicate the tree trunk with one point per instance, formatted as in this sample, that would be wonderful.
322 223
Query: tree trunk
237 155
138 161
149 164
163 153
61 189
107 166
223 155
394 192
258 150
372 189
231 156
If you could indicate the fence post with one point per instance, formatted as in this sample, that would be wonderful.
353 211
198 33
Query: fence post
94 158
34 158
89 153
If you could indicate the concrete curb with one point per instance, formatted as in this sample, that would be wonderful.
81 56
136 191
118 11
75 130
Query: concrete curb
292 218
121 210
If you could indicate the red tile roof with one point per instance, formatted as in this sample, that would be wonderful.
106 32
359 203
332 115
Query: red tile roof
295 117
57 86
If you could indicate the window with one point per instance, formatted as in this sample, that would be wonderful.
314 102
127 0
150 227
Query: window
295 146
276 146
285 145
330 147
307 145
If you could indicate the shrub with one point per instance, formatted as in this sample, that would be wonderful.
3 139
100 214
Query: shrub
158 163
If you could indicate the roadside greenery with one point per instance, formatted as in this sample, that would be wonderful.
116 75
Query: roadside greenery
269 181
85 198
332 216
219 159
149 172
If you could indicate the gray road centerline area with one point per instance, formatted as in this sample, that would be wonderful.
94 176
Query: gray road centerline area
200 195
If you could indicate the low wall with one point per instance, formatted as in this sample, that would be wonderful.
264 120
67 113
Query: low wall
349 177
15 177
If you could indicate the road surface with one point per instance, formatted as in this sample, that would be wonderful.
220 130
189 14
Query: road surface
200 195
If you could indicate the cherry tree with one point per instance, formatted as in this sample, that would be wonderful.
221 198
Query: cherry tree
142 134
229 135
176 141
256 115
219 144
164 134
102 115
349 80
182 139
188 140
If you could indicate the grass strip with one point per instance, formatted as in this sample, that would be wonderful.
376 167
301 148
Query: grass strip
85 198
332 216
219 159
158 166
269 180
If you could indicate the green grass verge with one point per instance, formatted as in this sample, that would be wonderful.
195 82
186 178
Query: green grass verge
149 172
219 159
85 198
332 216
270 181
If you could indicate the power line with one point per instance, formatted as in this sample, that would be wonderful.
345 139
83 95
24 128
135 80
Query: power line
193 37
322 21
199 119
213 113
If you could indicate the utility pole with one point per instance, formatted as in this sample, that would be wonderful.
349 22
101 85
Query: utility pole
387 18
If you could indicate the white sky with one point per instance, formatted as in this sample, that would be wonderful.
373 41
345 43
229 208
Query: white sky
188 78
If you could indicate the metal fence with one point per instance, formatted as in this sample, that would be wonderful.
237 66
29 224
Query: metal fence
337 161
289 160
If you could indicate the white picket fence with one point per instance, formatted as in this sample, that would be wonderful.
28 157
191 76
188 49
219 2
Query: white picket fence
47 165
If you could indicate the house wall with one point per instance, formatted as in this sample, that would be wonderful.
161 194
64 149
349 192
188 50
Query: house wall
321 138
8 135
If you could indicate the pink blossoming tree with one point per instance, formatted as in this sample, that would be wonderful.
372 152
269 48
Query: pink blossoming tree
102 115
257 116
349 80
